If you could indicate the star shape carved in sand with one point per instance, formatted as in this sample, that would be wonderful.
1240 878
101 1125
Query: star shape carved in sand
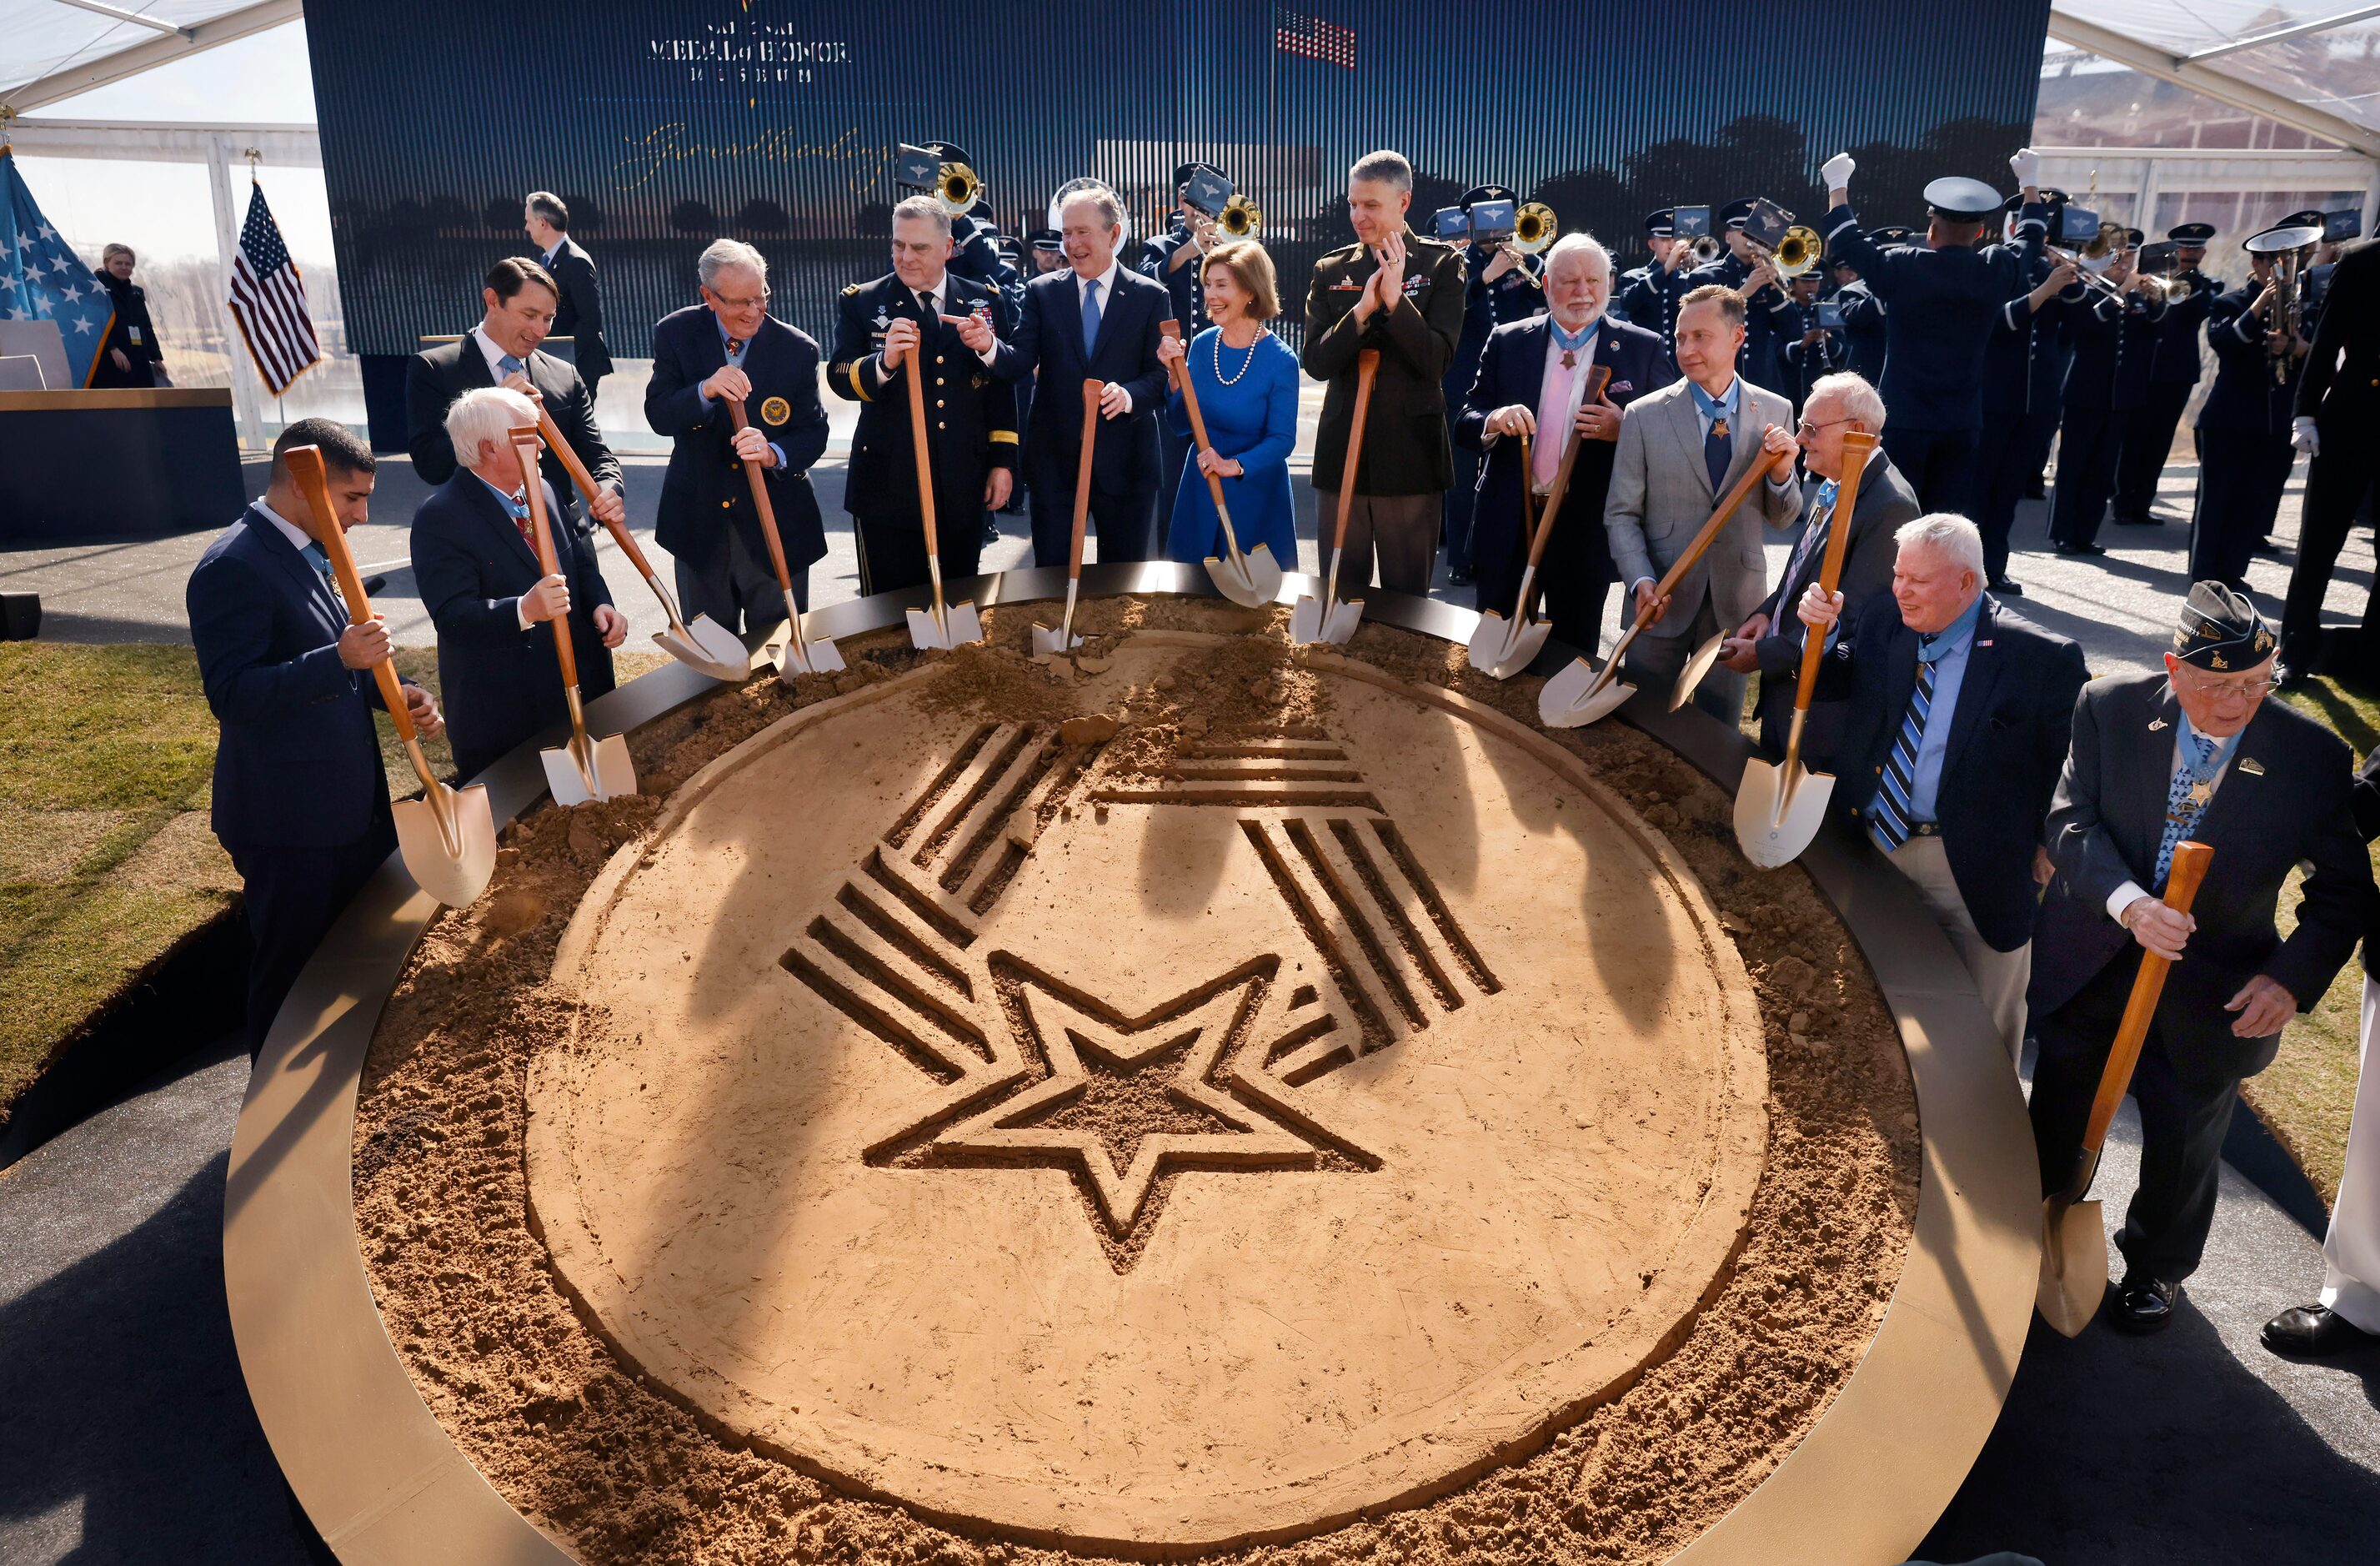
1125 1100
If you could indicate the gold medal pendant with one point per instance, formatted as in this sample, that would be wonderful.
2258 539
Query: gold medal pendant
2200 792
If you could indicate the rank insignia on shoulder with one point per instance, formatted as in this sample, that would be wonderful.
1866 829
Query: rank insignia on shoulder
2252 766
776 410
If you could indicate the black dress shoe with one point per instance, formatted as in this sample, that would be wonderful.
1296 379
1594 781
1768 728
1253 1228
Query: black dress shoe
2313 1331
2065 548
2007 589
2143 1304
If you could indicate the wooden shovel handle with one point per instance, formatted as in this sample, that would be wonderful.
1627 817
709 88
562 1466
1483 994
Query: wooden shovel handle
1180 374
1367 366
1710 529
548 564
1092 389
759 483
913 374
2189 862
305 465
584 482
1597 379
1856 448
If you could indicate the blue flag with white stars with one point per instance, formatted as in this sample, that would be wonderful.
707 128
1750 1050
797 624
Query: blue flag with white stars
43 279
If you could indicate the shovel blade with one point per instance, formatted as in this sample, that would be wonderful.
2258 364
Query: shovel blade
1778 813
1500 649
707 646
1570 701
819 654
1692 675
1252 581
455 872
959 625
2073 1265
1049 644
1305 621
607 774
1339 626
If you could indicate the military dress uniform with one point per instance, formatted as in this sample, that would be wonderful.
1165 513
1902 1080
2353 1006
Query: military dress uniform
1766 315
2244 455
2338 388
970 429
1804 363
2024 367
1514 294
1648 295
1863 331
1406 462
2105 380
2173 373
1186 286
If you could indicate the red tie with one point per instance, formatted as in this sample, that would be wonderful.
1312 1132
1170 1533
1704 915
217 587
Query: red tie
734 346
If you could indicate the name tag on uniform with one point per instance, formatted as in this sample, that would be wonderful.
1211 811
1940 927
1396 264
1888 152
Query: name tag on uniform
1346 285
136 335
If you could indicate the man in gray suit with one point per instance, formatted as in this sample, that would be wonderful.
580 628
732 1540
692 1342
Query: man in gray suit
1680 449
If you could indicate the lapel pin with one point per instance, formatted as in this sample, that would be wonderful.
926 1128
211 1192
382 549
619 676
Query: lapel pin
2155 723
2252 766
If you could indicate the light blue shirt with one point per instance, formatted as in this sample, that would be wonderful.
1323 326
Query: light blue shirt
1948 654
735 353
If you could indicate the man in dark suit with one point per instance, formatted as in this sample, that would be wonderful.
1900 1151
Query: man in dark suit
1499 286
1958 718
2338 401
581 317
729 346
504 349
2198 753
1532 380
1770 641
1943 303
922 310
1401 294
300 796
1094 320
475 558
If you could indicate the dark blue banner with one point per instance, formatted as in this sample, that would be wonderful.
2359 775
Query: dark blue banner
665 124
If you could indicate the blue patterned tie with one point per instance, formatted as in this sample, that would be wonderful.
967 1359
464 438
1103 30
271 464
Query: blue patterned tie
2181 813
1888 815
317 559
508 364
1719 451
1090 318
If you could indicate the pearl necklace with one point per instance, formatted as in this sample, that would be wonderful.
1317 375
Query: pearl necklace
1217 350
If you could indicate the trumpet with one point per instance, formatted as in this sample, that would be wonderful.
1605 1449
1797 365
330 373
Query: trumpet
957 187
1535 227
1797 252
1239 216
1705 249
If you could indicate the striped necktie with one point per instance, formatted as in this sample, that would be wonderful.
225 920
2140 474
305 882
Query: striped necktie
2183 804
1890 814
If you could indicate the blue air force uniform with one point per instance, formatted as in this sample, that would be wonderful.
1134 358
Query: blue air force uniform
2104 382
1804 363
2024 367
970 428
2244 454
1514 294
2173 370
1185 287
1761 359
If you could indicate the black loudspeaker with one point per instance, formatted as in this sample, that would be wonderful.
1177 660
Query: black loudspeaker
20 616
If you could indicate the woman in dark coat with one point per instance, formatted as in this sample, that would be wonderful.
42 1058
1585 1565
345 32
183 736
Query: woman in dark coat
130 357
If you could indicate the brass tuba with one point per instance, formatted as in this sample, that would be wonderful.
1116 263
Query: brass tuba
1798 252
1239 216
957 187
1535 227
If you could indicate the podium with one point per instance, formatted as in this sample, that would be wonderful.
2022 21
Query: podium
117 464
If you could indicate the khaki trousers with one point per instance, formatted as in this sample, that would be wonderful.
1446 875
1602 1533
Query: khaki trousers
2000 976
1400 529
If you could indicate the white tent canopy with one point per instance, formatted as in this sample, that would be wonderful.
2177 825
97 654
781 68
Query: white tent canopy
59 48
2313 65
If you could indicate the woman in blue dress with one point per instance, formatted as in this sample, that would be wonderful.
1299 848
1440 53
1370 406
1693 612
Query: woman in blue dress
1247 380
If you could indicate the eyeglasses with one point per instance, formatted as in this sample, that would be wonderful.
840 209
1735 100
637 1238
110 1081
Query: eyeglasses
1812 427
2242 689
743 304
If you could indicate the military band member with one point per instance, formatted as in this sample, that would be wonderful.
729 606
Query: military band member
2244 455
729 345
1094 320
301 795
1754 275
1532 380
1175 259
1401 294
1769 639
1501 284
2173 371
2025 372
1863 311
2338 404
1811 349
579 318
1680 449
1649 294
2199 753
975 241
886 326
1048 251
2113 335
475 558
518 301
1942 302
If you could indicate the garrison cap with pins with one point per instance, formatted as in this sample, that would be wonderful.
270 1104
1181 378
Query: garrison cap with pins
1961 199
2190 234
1661 225
2220 629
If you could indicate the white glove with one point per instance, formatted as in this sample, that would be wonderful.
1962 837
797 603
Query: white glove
1837 171
2026 167
2303 437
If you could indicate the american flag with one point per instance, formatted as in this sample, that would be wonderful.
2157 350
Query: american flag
1294 32
43 279
268 299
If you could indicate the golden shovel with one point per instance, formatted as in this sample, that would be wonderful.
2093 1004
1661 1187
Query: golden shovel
799 656
585 768
1325 618
2073 1236
705 644
1047 643
1251 579
447 837
1580 694
1501 648
946 625
1778 809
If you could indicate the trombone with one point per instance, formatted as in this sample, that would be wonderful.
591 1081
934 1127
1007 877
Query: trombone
1797 252
957 187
